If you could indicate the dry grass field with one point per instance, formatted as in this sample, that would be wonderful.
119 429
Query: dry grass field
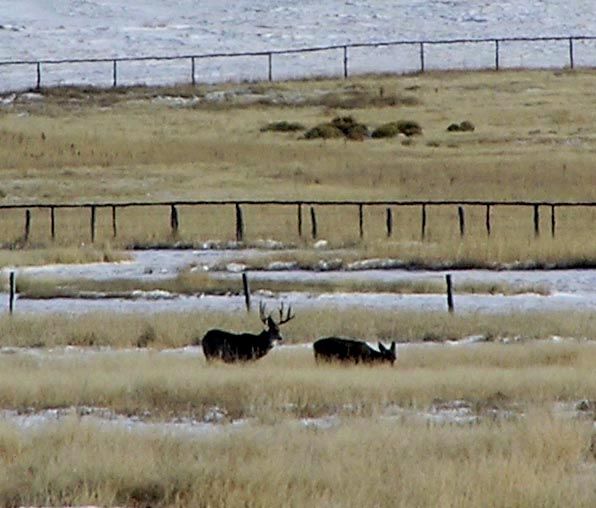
174 330
368 458
533 141
538 462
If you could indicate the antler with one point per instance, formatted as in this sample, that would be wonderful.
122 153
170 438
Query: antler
262 312
289 315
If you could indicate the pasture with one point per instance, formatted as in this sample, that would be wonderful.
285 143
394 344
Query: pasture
122 409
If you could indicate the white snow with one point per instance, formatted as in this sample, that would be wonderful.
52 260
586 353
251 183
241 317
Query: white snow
568 289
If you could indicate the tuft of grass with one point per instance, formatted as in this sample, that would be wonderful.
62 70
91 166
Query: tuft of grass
60 255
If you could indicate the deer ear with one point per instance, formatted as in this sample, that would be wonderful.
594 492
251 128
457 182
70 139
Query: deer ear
392 347
381 348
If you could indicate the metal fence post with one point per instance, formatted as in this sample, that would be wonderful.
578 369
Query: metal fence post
270 62
422 57
192 71
571 63
38 83
345 62
496 54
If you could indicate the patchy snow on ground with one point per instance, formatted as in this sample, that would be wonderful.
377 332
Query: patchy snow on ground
568 289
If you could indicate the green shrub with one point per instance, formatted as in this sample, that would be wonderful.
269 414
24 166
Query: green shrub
324 131
409 128
387 130
283 126
392 129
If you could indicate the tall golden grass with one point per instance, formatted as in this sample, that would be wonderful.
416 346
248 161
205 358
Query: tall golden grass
288 382
536 462
167 329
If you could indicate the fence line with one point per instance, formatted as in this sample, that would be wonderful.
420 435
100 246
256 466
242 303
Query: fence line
171 209
269 54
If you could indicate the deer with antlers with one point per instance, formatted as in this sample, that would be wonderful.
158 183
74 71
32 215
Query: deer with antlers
242 347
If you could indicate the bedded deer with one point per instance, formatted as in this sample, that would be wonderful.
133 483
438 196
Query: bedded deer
241 347
336 349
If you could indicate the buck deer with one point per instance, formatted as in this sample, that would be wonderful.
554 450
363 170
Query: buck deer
336 349
242 347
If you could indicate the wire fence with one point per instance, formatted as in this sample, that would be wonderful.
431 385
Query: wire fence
344 60
541 214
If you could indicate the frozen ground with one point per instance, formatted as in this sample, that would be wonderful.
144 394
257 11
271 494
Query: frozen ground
568 289
37 29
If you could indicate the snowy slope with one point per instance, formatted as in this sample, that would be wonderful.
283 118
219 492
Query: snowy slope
42 29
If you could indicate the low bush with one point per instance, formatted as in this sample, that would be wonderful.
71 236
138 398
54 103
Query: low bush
340 126
283 126
465 126
392 129
323 131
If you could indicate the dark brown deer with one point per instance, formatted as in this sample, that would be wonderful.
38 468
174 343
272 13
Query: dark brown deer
242 347
336 349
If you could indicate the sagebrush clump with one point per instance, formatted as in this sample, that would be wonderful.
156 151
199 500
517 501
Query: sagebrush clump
392 129
283 126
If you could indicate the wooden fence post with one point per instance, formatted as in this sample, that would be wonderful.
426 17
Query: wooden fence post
299 213
246 289
114 223
462 221
27 224
92 223
174 223
553 221
536 220
361 220
12 291
239 224
114 73
389 223
313 223
53 223
423 223
487 221
449 293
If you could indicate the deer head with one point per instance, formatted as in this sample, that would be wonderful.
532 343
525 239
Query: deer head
388 353
272 328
